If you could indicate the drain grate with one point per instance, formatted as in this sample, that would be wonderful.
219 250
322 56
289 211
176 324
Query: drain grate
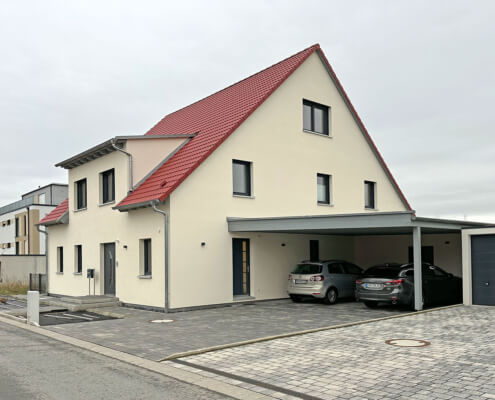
407 342
161 321
59 318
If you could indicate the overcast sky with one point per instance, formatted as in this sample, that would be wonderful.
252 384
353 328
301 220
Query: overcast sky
420 74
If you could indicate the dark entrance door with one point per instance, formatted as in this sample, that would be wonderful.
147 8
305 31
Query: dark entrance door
427 255
483 269
240 252
314 250
109 268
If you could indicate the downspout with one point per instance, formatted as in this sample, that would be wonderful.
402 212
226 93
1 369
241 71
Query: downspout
45 232
131 182
165 237
28 231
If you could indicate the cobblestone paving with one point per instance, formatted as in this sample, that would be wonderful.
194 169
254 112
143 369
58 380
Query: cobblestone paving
192 330
355 362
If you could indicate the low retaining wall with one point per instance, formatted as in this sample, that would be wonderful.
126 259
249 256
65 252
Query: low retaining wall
18 268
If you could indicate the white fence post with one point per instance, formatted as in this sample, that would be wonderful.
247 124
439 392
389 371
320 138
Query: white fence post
33 307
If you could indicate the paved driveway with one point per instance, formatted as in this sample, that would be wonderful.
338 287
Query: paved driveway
192 330
356 363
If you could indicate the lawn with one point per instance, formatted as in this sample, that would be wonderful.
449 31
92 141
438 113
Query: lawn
10 288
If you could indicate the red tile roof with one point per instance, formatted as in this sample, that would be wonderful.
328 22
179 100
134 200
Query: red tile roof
214 118
56 213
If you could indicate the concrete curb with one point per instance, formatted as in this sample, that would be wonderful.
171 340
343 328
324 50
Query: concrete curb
154 366
285 335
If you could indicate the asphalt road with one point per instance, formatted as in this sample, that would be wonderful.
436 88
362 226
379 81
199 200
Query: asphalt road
36 367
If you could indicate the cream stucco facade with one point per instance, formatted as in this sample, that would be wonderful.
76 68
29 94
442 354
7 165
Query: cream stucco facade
285 162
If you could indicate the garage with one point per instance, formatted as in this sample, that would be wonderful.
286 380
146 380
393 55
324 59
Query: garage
371 237
479 266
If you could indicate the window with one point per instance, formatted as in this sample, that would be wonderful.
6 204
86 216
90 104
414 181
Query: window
241 173
81 195
323 188
42 198
335 268
315 117
107 186
78 258
16 248
145 257
16 227
8 222
8 245
25 225
60 259
369 194
352 269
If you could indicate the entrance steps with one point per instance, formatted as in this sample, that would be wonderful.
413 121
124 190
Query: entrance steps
82 303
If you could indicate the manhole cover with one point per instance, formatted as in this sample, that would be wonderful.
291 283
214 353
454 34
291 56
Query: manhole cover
161 321
407 342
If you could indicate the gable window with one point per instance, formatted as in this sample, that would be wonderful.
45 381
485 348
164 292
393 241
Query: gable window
81 194
323 188
241 173
78 258
316 117
60 259
107 180
369 194
145 246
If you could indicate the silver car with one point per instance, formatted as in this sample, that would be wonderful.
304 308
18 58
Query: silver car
328 280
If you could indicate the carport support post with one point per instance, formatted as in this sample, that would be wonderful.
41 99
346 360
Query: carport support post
418 280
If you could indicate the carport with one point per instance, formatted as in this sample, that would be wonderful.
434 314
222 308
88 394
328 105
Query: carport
361 224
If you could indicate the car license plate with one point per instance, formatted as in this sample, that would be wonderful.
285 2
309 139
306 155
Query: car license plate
301 281
373 286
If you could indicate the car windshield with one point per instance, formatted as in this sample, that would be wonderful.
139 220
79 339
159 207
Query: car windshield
307 269
382 271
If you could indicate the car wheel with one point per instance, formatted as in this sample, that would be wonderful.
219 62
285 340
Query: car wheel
331 296
295 299
371 304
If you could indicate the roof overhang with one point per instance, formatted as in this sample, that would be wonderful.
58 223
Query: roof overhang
63 219
109 146
360 224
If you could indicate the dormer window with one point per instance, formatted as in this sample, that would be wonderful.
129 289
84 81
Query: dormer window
316 118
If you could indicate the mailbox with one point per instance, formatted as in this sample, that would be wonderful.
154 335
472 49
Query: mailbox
90 273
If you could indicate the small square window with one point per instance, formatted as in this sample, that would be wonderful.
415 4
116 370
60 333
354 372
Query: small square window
60 259
369 194
241 173
107 186
78 258
323 188
145 250
316 117
81 194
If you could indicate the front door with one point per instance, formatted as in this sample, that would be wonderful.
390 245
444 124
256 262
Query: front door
240 252
109 268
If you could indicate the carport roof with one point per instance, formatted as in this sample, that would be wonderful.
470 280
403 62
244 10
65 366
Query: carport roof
378 223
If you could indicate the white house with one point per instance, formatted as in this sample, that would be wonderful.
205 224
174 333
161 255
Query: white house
219 200
18 233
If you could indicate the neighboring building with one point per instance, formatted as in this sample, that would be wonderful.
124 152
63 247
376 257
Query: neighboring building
18 220
220 199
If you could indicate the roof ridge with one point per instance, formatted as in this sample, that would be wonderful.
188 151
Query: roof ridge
315 46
